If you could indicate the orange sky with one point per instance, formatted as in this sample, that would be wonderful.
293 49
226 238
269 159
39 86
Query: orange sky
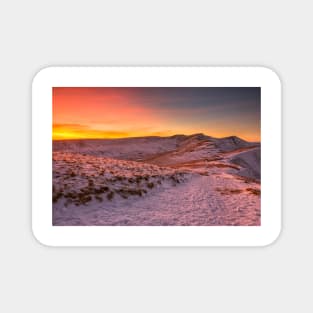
131 112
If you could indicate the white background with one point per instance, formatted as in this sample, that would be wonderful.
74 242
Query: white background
262 235
35 278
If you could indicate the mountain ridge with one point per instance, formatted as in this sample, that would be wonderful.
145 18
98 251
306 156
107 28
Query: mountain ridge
152 136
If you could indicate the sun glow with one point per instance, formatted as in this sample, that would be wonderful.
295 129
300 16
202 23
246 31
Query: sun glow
95 113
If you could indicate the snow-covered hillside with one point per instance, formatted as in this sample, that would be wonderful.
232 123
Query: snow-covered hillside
124 149
178 180
77 179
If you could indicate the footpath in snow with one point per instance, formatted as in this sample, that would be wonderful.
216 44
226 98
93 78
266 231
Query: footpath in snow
203 200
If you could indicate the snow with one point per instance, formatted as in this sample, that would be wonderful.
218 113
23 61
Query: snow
196 202
249 161
178 180
125 148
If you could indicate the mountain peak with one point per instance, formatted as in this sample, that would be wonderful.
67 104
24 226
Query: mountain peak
234 139
198 136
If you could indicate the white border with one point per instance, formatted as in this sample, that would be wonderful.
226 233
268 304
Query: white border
155 235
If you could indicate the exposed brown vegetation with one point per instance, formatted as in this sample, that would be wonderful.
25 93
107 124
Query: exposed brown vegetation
204 163
150 185
222 165
248 180
254 191
99 198
124 193
227 191
110 195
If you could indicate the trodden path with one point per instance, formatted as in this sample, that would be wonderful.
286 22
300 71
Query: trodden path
217 199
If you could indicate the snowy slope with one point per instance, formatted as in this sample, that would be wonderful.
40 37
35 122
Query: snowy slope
201 152
178 180
249 162
80 178
125 148
202 200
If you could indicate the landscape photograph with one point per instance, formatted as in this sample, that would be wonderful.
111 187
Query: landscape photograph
156 156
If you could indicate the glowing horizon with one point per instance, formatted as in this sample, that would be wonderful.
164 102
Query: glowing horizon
120 112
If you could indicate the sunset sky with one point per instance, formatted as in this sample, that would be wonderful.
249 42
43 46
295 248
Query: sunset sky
116 112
